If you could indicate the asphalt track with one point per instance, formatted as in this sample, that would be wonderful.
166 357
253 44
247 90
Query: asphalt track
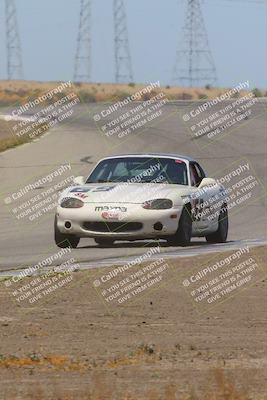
80 142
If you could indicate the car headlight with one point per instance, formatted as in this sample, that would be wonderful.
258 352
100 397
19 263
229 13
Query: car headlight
157 204
70 202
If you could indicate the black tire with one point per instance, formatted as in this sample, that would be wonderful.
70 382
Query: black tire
63 240
220 236
105 242
182 237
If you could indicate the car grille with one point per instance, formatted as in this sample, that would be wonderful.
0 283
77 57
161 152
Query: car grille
99 226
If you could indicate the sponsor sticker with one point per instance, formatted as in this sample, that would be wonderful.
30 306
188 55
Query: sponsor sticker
81 195
111 215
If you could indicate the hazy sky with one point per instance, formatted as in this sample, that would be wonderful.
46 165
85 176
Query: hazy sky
237 33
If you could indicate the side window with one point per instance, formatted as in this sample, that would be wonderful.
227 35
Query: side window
192 175
201 173
196 174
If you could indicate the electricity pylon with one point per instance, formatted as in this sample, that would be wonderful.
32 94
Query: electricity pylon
123 63
13 45
194 62
82 67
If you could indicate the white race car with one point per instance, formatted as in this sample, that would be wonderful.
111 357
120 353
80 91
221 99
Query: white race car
137 196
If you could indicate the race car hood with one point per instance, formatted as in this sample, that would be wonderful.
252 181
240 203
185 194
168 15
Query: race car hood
130 193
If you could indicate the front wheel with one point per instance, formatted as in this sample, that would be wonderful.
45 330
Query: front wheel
64 240
220 235
182 237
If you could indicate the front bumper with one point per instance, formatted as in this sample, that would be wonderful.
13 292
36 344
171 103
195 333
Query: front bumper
135 223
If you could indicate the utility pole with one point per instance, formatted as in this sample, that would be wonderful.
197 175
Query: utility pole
14 56
123 63
194 62
82 67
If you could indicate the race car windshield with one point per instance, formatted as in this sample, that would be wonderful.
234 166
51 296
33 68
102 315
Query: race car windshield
140 170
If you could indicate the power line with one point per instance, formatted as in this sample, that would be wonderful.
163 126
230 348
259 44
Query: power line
14 56
194 61
260 2
82 67
123 63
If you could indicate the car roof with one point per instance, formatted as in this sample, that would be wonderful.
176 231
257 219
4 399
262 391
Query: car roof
152 155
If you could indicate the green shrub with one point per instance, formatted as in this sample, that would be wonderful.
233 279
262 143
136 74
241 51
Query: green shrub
203 96
184 96
148 96
87 97
22 93
257 92
120 95
235 95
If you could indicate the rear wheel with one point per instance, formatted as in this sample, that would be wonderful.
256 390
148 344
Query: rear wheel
220 235
104 241
63 240
182 237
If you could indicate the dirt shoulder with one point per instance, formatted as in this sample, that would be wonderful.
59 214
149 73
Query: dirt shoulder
72 344
9 139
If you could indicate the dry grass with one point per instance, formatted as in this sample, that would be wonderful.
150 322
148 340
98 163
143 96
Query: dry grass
8 139
10 142
219 385
19 92
103 389
143 354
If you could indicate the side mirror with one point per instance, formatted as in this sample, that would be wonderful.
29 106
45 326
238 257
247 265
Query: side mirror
79 180
207 182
